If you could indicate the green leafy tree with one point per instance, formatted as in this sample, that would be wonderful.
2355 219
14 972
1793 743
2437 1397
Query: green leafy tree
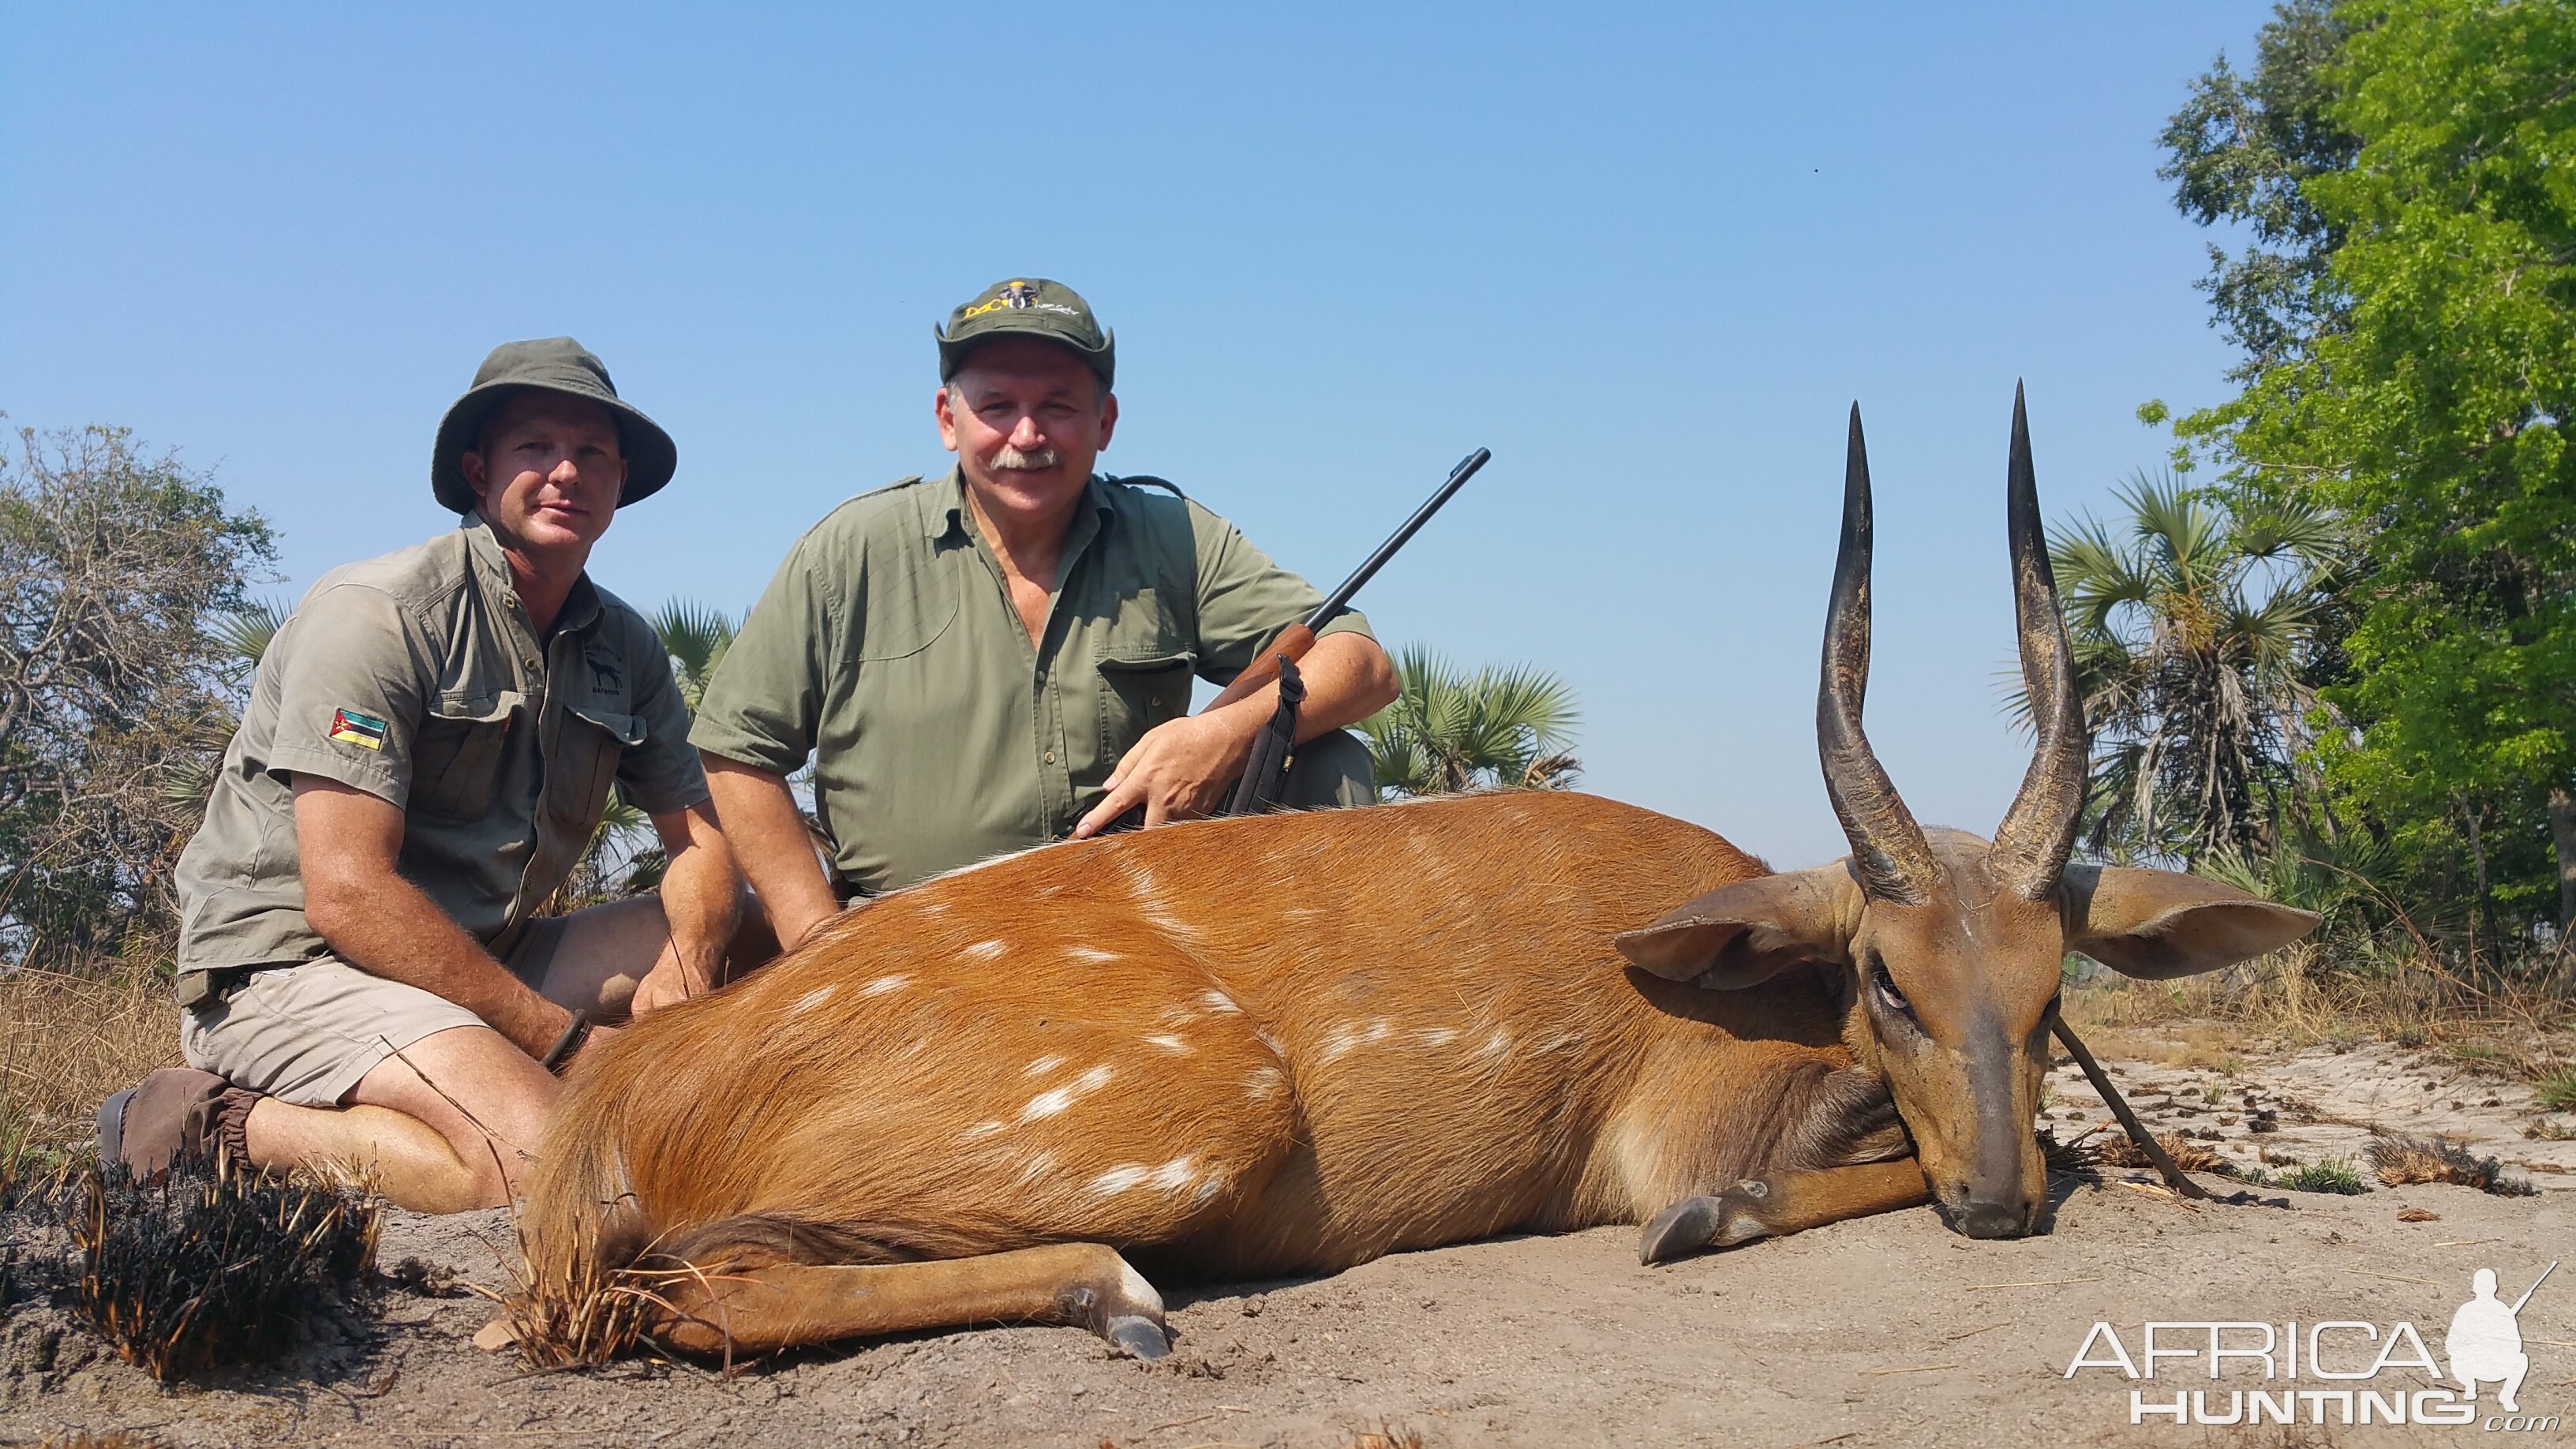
2432 411
114 567
2240 150
2190 622
1453 731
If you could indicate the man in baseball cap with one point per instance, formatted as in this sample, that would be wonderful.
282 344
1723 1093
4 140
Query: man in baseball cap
1002 655
367 970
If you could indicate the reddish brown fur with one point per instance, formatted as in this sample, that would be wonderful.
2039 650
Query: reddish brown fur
1432 1038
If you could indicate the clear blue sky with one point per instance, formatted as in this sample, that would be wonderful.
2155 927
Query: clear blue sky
1647 255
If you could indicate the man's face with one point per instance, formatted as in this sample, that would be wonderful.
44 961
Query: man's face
1027 419
547 471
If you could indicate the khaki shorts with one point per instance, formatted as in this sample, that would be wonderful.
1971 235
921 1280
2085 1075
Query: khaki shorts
307 1033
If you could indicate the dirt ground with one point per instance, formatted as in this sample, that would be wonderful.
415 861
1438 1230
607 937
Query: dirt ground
1886 1331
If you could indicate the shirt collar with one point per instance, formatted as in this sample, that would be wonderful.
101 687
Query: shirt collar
947 519
580 606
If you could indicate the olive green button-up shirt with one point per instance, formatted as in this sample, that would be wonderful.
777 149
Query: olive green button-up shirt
887 650
418 678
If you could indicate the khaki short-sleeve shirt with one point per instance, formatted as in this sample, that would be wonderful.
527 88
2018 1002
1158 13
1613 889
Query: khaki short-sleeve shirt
418 678
887 650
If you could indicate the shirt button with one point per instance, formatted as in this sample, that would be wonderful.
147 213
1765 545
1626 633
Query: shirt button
1050 757
1041 676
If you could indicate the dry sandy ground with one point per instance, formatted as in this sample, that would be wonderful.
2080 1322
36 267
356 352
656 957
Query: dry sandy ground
1888 1331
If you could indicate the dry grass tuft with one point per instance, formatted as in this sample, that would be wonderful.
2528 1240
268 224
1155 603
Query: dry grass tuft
2078 1156
2187 1154
2400 1161
66 1042
583 1317
213 1266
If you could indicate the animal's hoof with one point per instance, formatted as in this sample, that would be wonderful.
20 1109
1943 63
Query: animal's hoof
1140 1337
1684 1228
496 1336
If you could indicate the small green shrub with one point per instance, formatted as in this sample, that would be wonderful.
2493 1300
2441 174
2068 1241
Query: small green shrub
2335 1176
2557 1091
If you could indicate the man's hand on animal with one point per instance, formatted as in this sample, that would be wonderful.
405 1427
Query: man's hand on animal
1183 770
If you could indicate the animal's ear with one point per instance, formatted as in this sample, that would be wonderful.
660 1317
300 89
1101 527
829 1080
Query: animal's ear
1746 933
2158 924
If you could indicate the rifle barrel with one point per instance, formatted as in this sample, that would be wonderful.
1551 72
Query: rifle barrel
1458 477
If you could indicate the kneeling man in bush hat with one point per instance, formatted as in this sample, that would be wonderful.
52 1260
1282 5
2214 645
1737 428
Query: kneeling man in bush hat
367 970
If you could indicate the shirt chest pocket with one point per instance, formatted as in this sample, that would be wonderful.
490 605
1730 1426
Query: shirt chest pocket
596 736
1139 694
458 756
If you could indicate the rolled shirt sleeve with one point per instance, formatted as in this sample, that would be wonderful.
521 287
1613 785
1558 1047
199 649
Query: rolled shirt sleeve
764 707
352 694
1245 599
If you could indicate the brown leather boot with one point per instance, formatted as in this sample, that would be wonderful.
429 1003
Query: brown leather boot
176 1112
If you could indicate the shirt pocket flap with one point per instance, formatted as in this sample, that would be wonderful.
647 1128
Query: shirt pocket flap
474 709
1156 665
626 729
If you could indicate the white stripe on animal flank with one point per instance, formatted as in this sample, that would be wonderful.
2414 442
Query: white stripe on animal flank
811 999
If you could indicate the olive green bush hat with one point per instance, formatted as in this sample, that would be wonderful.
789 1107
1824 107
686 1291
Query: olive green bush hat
548 364
1027 307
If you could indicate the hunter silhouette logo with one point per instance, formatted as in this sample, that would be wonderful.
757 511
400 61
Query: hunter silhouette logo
2329 1371
2485 1341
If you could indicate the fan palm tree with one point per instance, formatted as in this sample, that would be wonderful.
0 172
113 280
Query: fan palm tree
1452 731
2190 622
696 637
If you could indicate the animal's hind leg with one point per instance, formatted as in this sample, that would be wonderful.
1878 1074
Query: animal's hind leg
1086 1285
1786 1202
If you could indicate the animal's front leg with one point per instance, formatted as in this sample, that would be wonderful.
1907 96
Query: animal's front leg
1787 1202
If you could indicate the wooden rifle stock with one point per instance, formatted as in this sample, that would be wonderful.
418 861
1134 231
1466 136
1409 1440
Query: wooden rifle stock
1291 645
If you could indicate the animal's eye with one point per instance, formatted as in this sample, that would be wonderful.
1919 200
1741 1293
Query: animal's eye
1885 985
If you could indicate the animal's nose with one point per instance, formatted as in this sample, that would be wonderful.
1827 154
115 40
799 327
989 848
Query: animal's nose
1991 1219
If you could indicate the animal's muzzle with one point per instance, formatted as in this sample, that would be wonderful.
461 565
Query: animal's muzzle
1995 1219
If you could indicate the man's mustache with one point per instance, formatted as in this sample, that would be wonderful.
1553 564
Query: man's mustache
1013 460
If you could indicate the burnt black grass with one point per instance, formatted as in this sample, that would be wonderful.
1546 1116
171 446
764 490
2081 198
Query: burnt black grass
210 1266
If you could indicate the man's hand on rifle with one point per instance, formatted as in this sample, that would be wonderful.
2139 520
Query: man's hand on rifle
1179 769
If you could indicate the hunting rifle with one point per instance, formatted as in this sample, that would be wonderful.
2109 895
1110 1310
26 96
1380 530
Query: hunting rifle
1297 638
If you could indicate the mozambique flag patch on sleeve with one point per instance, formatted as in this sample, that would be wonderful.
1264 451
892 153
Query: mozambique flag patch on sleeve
352 728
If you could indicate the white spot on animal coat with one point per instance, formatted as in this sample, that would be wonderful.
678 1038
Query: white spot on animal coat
1495 1044
1038 1165
1209 1187
1263 1084
979 1131
1219 1001
884 984
1168 1043
1047 1104
1118 1179
1432 1036
1042 1065
982 951
811 999
1090 953
1093 1080
1176 1173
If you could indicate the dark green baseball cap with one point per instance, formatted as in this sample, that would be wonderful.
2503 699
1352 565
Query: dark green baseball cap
548 364
1027 307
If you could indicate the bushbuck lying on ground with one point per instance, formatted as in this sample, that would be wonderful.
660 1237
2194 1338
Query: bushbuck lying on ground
1247 1048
